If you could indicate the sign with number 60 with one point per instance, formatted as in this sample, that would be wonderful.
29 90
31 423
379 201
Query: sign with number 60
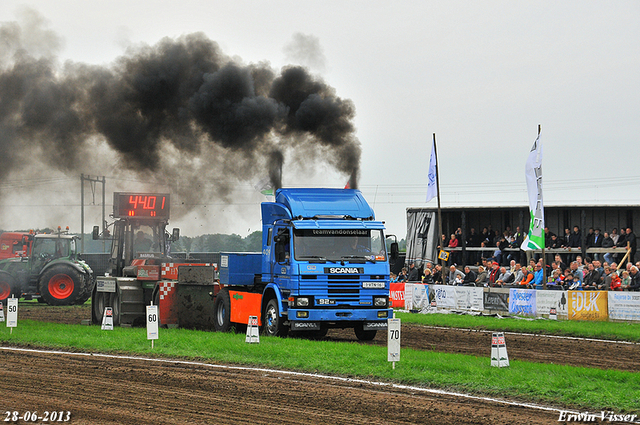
152 322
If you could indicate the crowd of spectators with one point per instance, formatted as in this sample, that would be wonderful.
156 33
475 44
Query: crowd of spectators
510 268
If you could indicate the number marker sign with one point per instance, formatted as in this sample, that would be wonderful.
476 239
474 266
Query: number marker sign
12 313
152 323
393 341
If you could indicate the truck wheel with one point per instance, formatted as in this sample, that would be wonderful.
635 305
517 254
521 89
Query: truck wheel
222 311
363 335
61 285
99 301
7 287
272 322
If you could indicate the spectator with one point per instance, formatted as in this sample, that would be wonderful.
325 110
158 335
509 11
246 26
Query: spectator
437 274
561 264
615 282
473 241
494 272
393 277
414 274
481 280
469 277
615 237
455 276
402 277
634 285
630 241
575 271
607 242
497 254
518 274
529 277
591 279
572 283
454 243
506 277
538 278
427 278
555 281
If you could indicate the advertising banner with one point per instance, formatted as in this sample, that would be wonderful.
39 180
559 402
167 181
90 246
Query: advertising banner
416 296
396 294
546 300
624 305
444 295
469 298
588 305
522 301
496 301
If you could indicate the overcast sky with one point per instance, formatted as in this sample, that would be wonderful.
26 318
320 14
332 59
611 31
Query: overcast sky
481 75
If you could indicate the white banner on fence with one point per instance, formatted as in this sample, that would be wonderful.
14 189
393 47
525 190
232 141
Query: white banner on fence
469 298
416 296
546 300
522 301
444 295
624 305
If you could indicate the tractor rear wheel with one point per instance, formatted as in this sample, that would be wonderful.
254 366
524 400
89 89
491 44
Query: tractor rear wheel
8 287
61 285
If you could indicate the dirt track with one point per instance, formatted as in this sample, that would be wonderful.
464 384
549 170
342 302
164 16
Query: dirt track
128 391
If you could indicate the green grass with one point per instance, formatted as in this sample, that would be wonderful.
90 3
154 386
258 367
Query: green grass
577 387
602 330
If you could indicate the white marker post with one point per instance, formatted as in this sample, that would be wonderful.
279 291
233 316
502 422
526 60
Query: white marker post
499 357
253 332
1 313
393 341
12 314
107 319
152 323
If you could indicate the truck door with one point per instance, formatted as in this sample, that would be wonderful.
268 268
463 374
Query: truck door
282 256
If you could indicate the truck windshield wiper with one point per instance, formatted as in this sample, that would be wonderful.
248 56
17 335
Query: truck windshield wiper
312 257
357 257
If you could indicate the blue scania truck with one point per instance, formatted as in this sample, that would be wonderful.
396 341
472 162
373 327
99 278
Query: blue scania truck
324 264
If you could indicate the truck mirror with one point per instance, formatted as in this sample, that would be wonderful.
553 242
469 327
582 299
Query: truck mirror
394 251
96 233
175 234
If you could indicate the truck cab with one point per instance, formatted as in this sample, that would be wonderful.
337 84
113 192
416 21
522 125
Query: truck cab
325 261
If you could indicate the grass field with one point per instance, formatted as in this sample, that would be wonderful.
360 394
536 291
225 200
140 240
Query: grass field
603 330
533 382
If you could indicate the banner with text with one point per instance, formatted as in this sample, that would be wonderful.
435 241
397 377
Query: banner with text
469 298
396 294
624 305
416 296
444 295
546 300
522 301
588 305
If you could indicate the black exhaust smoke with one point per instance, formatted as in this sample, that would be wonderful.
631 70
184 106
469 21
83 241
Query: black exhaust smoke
180 113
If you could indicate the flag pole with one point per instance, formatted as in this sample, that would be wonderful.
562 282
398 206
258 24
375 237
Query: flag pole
544 243
435 152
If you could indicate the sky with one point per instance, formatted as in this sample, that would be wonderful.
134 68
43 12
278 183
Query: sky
481 76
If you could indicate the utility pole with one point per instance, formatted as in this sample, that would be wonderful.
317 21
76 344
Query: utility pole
92 182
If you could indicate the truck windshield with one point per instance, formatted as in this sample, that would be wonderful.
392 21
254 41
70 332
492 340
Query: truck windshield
148 238
339 244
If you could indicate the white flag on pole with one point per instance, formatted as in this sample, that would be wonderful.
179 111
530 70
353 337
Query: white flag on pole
432 188
533 173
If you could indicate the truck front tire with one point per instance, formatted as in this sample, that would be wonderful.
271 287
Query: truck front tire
272 322
363 335
222 311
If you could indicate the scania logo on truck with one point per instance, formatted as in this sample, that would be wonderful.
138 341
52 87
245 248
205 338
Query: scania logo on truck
343 270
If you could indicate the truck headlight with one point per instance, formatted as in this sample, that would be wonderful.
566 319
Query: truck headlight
380 301
302 302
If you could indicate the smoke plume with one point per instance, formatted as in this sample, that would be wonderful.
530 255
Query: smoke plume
180 112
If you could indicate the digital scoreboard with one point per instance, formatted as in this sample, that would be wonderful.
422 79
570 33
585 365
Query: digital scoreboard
141 205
